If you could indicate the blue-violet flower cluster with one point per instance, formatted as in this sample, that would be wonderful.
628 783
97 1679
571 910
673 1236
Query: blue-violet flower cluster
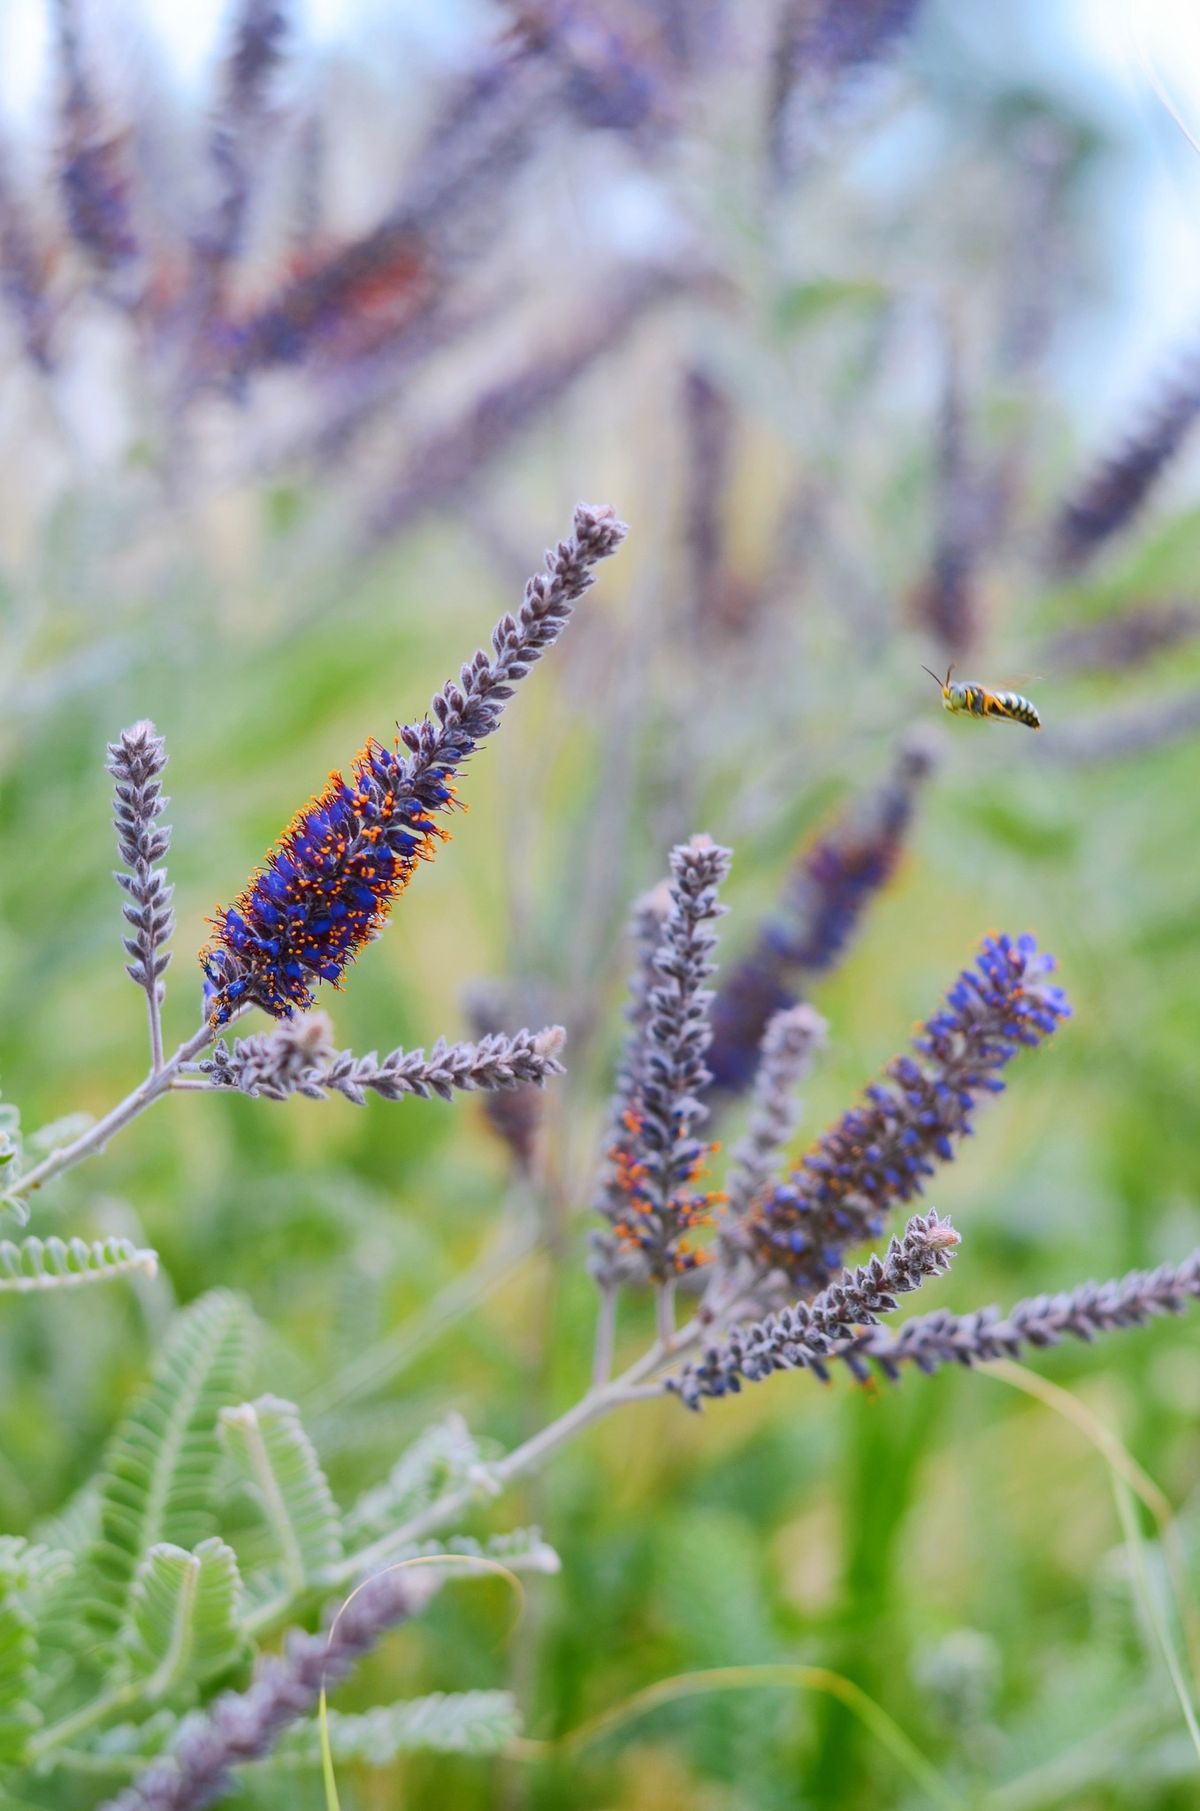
880 1153
328 885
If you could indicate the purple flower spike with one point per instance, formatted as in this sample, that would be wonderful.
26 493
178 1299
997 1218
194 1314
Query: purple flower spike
827 893
880 1153
330 882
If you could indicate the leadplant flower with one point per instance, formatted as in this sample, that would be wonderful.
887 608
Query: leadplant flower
932 1340
328 885
830 886
652 1199
136 761
1110 495
299 1058
94 173
880 1153
807 1335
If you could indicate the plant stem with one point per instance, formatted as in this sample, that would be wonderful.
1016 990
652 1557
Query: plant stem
55 1735
154 1008
630 1386
664 1308
96 1137
448 1508
589 1408
606 1328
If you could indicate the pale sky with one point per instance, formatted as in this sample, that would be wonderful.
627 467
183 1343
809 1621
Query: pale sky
1134 64
1139 63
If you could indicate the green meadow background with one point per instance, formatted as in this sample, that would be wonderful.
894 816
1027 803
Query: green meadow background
952 1546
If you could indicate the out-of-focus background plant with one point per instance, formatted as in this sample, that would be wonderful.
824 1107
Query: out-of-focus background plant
300 359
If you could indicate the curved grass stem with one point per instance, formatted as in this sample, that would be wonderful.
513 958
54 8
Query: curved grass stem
757 1678
1123 1467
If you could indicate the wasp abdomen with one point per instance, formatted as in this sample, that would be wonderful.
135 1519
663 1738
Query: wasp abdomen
1016 708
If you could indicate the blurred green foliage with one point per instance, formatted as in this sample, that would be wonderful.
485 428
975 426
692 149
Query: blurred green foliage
949 1545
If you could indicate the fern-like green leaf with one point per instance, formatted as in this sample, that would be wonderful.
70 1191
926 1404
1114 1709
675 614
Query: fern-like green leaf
10 1157
18 1655
18 1662
444 1722
10 1163
520 1550
160 1472
74 1528
43 1574
32 1567
66 1263
440 1460
144 1740
275 1456
184 1616
69 1537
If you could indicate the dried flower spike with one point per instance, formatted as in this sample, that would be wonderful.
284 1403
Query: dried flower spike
449 460
1111 495
245 1726
136 761
790 1042
832 882
880 1153
394 273
819 45
93 173
24 271
330 882
651 1199
298 1058
608 81
947 598
941 1338
259 34
1126 639
807 1335
515 1114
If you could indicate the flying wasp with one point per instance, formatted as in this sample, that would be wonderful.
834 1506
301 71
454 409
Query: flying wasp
967 697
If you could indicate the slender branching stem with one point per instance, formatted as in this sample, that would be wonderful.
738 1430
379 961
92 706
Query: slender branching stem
57 1735
156 1084
664 1309
606 1329
448 1509
154 1010
631 1386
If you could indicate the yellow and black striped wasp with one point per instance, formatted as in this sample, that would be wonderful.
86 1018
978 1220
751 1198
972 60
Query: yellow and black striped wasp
966 697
